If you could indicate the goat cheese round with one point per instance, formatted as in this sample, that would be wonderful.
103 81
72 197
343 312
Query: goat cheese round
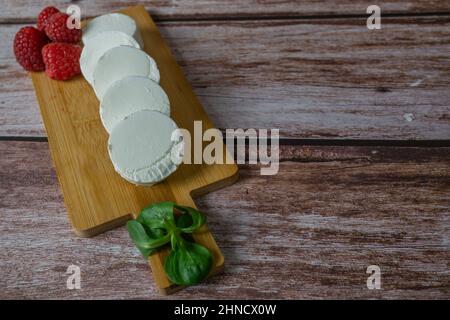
112 22
129 95
102 42
141 147
120 62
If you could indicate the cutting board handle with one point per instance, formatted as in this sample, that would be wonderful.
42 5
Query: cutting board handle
203 237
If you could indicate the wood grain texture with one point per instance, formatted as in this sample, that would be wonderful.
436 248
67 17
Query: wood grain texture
96 197
310 78
27 10
310 231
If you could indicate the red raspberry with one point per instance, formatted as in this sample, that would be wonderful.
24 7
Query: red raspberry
28 43
62 60
56 29
44 16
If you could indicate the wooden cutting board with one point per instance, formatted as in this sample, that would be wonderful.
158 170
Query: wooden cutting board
96 197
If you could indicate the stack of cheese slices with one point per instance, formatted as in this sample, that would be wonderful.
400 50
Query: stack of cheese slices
143 144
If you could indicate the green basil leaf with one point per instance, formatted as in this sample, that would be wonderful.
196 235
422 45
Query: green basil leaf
189 264
198 219
158 215
138 234
184 221
175 241
155 233
143 241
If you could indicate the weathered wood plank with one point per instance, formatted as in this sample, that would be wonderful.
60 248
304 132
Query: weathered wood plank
310 78
26 10
310 231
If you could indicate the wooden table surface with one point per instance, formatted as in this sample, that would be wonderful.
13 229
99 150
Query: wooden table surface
364 118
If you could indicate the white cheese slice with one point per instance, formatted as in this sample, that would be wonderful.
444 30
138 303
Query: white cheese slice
129 95
99 44
112 22
141 147
120 62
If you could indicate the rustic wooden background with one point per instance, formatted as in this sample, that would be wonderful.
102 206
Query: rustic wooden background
365 158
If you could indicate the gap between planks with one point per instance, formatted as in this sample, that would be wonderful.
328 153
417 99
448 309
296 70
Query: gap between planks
310 142
267 17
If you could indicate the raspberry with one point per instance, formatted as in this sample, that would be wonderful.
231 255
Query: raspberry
62 60
57 30
44 16
28 43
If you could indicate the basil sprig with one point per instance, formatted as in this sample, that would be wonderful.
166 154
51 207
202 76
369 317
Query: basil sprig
188 263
